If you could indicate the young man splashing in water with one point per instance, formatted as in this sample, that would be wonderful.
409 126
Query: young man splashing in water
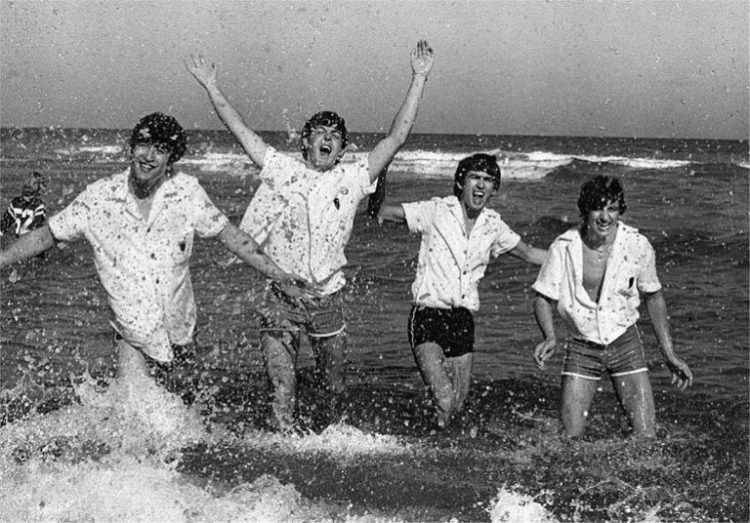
595 276
140 224
459 235
302 215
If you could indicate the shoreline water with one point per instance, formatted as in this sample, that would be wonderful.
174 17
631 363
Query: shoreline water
384 461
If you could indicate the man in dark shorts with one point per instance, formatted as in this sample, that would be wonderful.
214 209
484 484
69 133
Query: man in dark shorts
594 276
459 235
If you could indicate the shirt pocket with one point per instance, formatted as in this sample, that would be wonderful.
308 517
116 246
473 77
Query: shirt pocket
627 284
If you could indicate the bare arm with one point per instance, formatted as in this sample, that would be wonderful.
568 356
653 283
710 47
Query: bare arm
28 245
528 253
248 250
207 75
543 307
421 64
657 311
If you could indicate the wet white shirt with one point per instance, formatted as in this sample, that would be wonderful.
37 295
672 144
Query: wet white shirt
302 218
451 263
144 265
631 268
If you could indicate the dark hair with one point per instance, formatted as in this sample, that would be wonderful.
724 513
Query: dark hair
476 162
327 119
160 129
600 191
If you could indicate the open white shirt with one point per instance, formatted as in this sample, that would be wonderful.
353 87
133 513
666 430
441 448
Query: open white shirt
144 265
303 218
631 268
451 262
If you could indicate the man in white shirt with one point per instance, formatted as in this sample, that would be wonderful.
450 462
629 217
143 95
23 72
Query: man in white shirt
302 216
594 276
459 235
140 224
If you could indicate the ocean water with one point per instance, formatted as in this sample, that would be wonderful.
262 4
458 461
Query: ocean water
76 446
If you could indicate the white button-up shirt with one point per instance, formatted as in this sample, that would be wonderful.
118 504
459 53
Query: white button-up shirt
303 218
631 267
451 262
144 265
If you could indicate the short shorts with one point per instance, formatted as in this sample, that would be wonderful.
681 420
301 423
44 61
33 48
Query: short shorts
319 317
452 329
590 360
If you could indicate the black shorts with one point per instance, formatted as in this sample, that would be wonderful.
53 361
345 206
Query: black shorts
452 329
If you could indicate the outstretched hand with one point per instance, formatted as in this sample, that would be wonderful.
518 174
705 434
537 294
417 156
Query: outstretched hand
544 351
682 377
206 72
422 59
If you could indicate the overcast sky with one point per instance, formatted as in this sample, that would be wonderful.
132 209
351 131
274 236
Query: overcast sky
644 68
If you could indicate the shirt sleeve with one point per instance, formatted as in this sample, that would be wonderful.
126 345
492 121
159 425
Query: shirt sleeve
648 280
505 240
550 276
209 220
419 215
277 167
72 222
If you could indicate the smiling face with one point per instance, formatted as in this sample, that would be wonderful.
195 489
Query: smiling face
601 224
149 167
324 146
477 189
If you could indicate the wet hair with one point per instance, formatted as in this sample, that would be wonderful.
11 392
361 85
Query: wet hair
160 129
600 191
327 119
486 163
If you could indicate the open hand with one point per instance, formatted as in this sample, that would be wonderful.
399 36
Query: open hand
204 71
421 58
682 377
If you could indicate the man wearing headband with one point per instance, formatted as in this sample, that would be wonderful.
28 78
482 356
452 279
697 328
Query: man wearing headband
459 236
302 216
141 223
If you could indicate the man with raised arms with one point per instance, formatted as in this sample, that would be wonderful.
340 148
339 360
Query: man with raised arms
459 235
302 216
595 276
140 224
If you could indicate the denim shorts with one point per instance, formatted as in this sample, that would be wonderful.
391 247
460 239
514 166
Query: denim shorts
452 329
589 360
319 317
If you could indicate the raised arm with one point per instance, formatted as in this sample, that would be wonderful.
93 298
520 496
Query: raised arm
543 307
207 75
656 305
383 153
28 245
529 254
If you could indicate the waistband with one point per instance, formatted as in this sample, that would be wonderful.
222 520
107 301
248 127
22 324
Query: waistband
631 331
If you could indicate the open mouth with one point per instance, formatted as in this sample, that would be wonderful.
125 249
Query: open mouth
325 150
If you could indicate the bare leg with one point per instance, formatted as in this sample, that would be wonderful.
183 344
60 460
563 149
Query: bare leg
577 395
637 400
131 363
280 354
461 378
330 359
431 363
